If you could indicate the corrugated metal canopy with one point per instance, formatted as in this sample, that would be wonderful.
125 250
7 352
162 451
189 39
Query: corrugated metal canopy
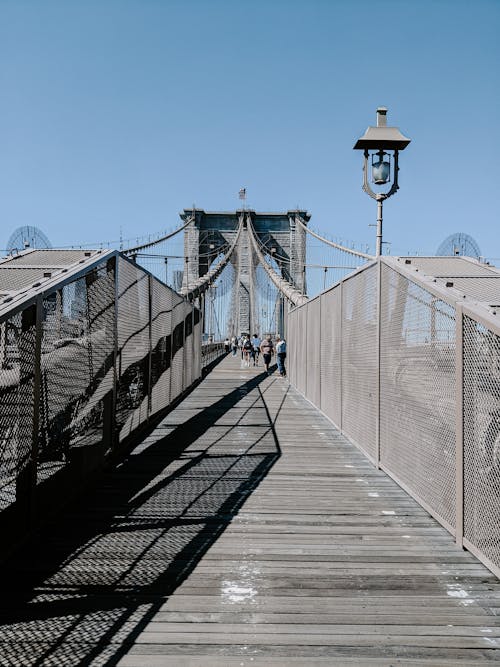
477 281
48 257
451 266
32 268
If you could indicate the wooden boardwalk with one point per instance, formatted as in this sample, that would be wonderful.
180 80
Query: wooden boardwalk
246 531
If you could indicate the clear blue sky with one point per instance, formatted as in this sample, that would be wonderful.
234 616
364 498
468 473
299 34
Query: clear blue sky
122 113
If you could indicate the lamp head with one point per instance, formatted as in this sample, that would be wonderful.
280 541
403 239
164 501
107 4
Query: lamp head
382 137
381 169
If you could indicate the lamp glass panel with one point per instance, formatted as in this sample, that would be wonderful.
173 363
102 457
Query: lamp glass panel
381 172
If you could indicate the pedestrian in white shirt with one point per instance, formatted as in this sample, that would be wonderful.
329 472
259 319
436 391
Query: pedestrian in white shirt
281 355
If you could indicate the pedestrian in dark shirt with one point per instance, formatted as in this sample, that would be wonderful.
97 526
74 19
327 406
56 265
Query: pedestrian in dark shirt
247 351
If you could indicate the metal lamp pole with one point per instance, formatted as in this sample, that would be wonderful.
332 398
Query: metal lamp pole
380 139
380 196
378 249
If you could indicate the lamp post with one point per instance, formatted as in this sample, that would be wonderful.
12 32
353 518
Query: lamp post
378 143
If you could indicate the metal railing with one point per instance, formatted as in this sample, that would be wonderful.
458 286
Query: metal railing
411 375
83 364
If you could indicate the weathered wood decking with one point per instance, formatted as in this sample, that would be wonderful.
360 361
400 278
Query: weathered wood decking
245 530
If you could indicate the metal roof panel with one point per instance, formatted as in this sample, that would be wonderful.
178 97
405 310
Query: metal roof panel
450 266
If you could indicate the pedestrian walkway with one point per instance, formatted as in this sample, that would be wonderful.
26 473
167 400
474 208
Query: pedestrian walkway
246 531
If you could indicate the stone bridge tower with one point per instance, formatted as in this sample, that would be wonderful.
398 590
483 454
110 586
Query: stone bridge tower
280 236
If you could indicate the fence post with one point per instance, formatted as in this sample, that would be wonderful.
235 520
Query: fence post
183 350
150 330
341 347
378 351
459 424
172 327
319 352
202 328
305 347
193 370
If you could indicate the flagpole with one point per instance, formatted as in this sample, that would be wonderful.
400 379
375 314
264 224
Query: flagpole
243 196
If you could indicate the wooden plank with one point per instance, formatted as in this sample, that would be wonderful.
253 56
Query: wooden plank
137 660
246 530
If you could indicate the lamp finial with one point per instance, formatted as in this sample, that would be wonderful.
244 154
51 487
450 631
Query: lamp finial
382 117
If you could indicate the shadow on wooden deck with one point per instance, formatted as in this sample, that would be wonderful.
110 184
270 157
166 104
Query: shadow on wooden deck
85 587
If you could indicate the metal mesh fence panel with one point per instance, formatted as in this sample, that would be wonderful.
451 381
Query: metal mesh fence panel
417 421
331 350
481 439
359 359
17 357
210 352
293 364
301 359
75 371
197 333
161 345
65 372
418 368
76 367
98 404
312 351
206 355
188 347
177 384
290 342
133 348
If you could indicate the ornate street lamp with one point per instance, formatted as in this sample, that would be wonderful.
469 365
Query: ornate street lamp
378 143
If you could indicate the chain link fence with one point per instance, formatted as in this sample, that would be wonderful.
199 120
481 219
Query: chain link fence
82 366
412 377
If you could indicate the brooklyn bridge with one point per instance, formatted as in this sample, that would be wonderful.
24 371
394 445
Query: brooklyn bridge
164 503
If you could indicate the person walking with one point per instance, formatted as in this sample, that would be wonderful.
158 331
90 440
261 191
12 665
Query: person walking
267 349
281 355
247 351
256 341
227 345
234 345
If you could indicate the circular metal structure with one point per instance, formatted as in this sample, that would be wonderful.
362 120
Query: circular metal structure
27 236
459 244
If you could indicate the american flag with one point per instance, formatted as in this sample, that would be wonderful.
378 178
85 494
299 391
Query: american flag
242 193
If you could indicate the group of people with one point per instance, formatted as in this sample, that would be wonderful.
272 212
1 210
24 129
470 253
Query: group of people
252 348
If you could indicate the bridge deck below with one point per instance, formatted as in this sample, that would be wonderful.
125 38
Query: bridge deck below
246 530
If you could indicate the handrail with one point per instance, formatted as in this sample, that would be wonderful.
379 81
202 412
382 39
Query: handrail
203 283
356 253
291 293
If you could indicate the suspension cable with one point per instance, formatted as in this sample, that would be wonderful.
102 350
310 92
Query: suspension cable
291 293
203 283
275 255
357 253
131 251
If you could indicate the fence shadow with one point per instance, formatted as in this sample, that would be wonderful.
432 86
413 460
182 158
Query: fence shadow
86 586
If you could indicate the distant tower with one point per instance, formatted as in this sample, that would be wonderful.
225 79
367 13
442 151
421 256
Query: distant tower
459 244
27 237
279 234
